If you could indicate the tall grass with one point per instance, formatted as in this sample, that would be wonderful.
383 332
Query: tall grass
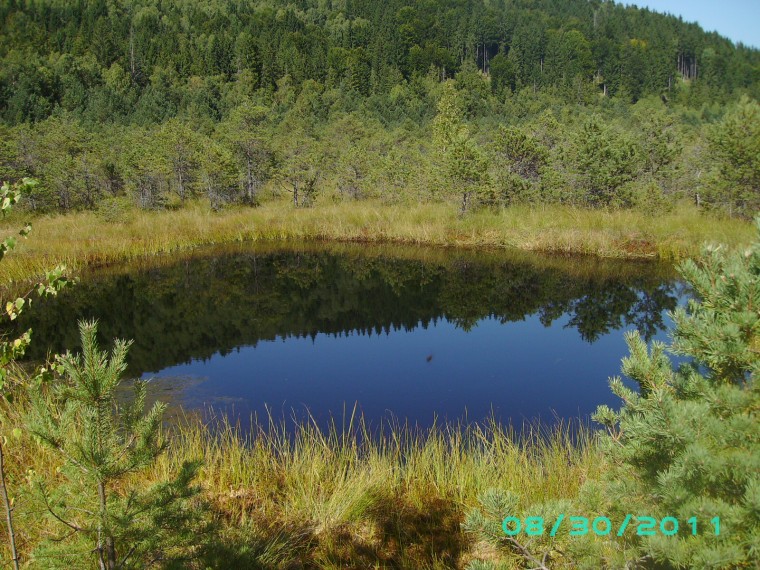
85 239
359 498
344 497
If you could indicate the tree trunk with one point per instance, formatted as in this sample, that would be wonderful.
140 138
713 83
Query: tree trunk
181 186
295 194
212 197
109 562
250 181
8 511
132 52
465 201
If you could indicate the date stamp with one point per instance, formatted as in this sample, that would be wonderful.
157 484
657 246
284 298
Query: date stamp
603 526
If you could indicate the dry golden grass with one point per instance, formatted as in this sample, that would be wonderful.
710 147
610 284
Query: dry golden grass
85 239
341 498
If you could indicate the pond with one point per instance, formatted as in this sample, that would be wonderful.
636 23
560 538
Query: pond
405 334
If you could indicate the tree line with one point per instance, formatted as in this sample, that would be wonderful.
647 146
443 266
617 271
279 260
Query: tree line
645 155
112 103
143 61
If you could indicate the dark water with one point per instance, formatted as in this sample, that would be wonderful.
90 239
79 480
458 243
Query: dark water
410 334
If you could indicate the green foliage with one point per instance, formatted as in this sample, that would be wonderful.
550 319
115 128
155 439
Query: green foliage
164 103
660 141
526 156
736 144
503 74
101 441
605 161
301 170
688 443
722 325
449 121
685 444
11 350
138 61
464 165
244 133
184 150
55 280
522 157
467 170
474 89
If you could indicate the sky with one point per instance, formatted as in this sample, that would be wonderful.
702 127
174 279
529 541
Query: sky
738 20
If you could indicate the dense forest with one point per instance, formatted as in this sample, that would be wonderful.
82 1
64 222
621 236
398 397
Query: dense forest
112 103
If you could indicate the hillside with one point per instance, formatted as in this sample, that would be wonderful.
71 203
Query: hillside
144 61
112 103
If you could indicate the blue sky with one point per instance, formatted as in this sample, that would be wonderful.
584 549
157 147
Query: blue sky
738 20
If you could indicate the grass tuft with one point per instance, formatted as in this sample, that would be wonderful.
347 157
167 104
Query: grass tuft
348 496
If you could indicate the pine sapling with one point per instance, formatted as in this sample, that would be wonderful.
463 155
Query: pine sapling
103 441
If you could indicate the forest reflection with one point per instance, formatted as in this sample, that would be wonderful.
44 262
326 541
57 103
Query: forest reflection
215 301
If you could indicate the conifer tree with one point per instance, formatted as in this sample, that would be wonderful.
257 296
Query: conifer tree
687 444
463 165
735 145
102 441
605 162
683 449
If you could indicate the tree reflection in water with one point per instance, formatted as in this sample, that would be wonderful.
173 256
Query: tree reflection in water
211 303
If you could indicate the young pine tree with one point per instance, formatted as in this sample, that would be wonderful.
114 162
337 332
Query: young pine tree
687 445
12 349
464 167
102 442
735 148
684 448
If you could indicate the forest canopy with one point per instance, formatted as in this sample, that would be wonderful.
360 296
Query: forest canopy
152 103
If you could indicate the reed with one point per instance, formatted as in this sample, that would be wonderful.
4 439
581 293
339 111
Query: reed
85 239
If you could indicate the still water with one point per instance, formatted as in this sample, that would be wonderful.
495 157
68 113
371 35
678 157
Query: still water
406 334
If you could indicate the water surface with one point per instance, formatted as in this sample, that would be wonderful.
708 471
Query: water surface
406 333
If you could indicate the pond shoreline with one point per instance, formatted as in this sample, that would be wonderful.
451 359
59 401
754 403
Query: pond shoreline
421 333
87 239
293 500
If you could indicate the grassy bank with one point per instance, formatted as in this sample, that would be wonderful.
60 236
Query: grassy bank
338 499
87 239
